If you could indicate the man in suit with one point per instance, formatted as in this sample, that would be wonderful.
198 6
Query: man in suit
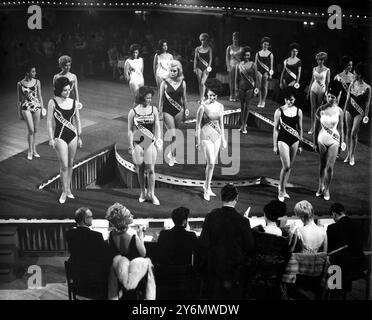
177 246
90 257
227 242
344 232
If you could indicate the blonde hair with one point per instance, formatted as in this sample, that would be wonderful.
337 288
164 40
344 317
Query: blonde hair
178 65
119 216
63 60
304 210
321 55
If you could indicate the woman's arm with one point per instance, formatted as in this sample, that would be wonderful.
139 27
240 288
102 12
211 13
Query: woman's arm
184 95
317 128
155 64
78 127
324 247
271 62
256 75
76 89
50 118
199 116
141 65
299 74
255 59
227 57
161 96
237 77
224 144
195 58
157 124
19 101
140 247
38 86
276 131
348 97
210 57
311 83
281 76
127 69
130 130
328 78
300 130
368 102
341 126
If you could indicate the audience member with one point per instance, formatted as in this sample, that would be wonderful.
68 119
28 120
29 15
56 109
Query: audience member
227 242
88 251
177 246
274 210
310 238
122 240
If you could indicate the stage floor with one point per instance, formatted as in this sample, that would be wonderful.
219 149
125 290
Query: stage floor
106 105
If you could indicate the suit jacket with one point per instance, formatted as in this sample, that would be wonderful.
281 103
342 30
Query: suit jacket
176 246
87 247
228 241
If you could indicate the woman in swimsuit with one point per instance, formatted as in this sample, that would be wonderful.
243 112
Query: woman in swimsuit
287 137
64 63
264 60
291 73
356 108
210 131
233 57
145 142
328 137
133 70
161 63
246 82
202 63
172 103
318 86
30 106
346 77
67 131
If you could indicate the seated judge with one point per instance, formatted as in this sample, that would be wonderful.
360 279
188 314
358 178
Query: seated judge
177 246
90 256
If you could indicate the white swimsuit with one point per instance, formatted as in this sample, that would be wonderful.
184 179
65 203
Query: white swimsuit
328 132
135 71
162 68
318 85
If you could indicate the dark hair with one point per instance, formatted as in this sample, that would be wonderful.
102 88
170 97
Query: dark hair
160 45
274 210
360 69
179 215
229 193
133 47
141 94
236 35
288 92
335 87
26 68
59 84
80 214
266 39
246 49
214 85
345 61
294 45
337 208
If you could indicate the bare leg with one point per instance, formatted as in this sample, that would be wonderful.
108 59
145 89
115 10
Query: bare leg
322 167
137 157
292 155
232 83
349 125
170 124
30 132
313 99
62 154
150 159
259 85
284 152
354 138
210 156
72 147
242 97
331 156
265 84
36 120
199 75
204 78
248 96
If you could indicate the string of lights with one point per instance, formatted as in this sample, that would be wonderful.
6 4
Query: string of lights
186 6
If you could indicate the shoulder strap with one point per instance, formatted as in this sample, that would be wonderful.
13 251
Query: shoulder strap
55 102
134 109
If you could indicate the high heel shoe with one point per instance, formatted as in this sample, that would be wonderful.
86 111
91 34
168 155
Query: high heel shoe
211 193
62 198
29 156
326 195
206 195
352 161
36 155
70 195
155 200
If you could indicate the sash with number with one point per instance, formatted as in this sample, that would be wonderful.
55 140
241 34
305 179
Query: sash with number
173 102
289 129
144 130
205 63
356 106
262 64
31 101
334 135
215 127
292 74
243 72
58 116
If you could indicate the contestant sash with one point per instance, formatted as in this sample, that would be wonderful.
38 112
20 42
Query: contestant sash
289 129
58 116
31 101
292 74
144 130
344 84
173 102
243 72
263 65
215 127
356 106
205 63
334 135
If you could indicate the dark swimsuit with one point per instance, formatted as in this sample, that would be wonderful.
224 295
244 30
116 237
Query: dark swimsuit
147 121
294 68
64 130
31 102
283 134
176 95
205 56
246 79
360 100
264 60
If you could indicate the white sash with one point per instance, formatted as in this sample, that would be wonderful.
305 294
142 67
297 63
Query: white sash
289 129
63 121
356 106
206 64
144 130
215 127
263 65
172 101
292 74
334 135
246 76
33 101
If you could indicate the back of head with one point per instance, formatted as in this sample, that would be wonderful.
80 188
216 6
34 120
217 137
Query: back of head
334 87
304 210
119 217
229 193
81 214
179 215
214 85
274 210
337 208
